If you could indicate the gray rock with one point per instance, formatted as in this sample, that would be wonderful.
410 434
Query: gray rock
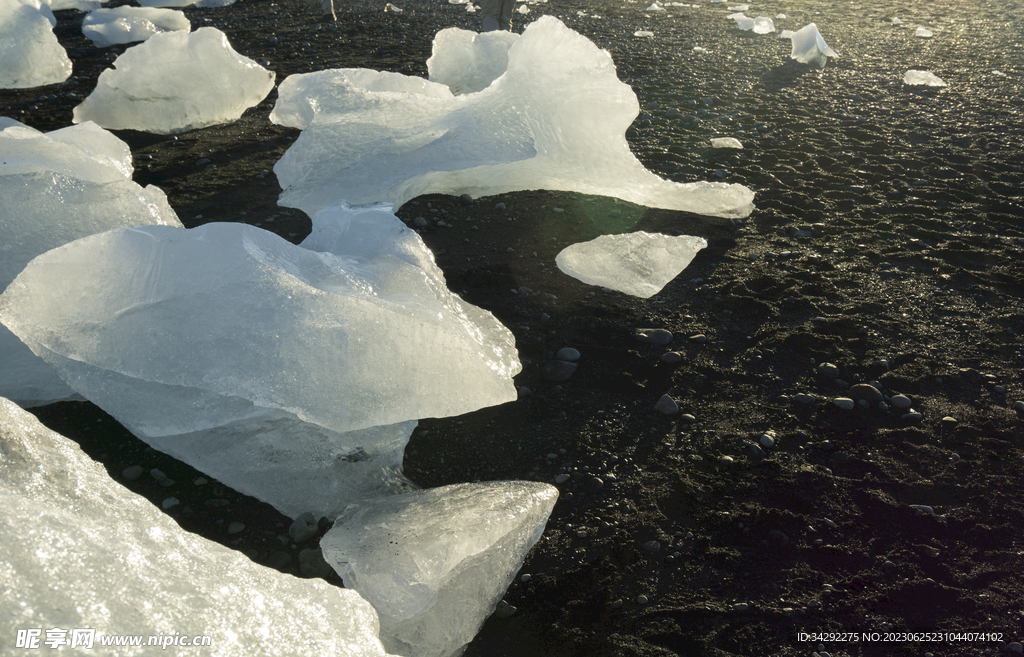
157 474
169 502
466 199
866 392
303 528
133 472
652 546
278 559
653 336
804 398
562 478
558 370
236 528
828 370
671 357
767 440
667 405
594 485
568 353
504 610
900 401
844 403
699 338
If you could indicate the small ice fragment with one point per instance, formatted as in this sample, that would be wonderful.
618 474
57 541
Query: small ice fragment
643 33
786 34
923 33
763 25
744 22
523 9
391 7
896 21
699 49
779 17
998 73
639 264
810 48
655 7
726 142
923 78
738 8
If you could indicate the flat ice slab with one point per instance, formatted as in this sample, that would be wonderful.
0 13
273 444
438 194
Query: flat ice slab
639 264
81 551
725 142
809 47
555 119
174 82
106 27
30 55
435 563
923 78
221 343
55 188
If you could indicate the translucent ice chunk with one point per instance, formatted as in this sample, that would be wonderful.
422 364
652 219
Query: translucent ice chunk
738 8
434 563
763 25
725 142
55 188
810 48
897 21
193 339
643 33
468 62
923 78
556 119
923 33
106 27
202 81
81 551
30 55
639 263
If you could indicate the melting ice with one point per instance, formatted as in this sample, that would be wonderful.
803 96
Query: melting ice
639 264
809 46
106 27
555 119
55 188
923 78
201 82
30 55
81 551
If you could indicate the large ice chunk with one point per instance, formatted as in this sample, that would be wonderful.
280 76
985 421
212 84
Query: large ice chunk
468 62
55 188
555 119
106 27
197 339
809 46
638 263
30 55
923 78
176 81
81 551
434 563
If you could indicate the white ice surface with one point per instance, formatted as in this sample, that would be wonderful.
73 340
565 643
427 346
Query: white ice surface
809 46
923 78
166 3
760 25
30 55
639 264
434 563
81 551
467 62
55 188
106 27
43 8
923 33
725 142
556 119
201 81
197 339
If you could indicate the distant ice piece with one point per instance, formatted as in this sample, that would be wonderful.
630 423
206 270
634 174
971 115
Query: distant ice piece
202 81
82 551
467 62
760 25
655 7
166 3
55 188
897 21
556 119
809 47
786 34
923 33
725 142
30 55
435 563
106 27
923 78
639 264
738 8
293 375
643 33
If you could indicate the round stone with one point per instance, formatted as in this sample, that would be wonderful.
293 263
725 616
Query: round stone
900 401
558 370
844 403
568 353
132 473
671 357
594 485
767 440
653 336
169 502
828 369
866 392
667 405
236 528
652 546
642 599
726 460
804 398
562 478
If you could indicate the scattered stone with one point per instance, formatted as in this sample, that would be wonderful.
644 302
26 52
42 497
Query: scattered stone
777 538
755 452
594 485
200 481
740 606
671 357
900 401
169 502
562 478
1018 406
949 422
525 578
652 546
686 417
667 405
922 509
726 460
700 338
804 398
866 392
653 336
157 474
236 528
767 440
641 599
617 604
558 370
912 416
844 403
303 528
829 370
466 199
132 473
568 353
312 564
